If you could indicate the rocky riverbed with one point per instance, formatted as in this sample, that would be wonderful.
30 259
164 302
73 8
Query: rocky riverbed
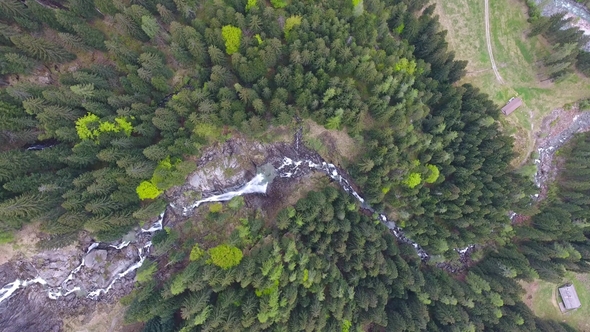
32 308
38 291
556 130
280 160
578 12
72 280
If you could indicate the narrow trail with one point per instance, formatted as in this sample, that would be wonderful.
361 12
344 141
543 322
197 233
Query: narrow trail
489 42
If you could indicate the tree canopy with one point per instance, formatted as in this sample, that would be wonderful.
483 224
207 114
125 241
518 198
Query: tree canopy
105 105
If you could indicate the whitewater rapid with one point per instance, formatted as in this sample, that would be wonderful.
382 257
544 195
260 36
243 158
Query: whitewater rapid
64 290
12 287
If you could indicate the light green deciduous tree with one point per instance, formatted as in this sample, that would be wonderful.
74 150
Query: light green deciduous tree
232 37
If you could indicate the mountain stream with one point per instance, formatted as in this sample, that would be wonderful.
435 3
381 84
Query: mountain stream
285 168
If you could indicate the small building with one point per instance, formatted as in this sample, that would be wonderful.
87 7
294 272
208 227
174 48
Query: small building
569 297
512 105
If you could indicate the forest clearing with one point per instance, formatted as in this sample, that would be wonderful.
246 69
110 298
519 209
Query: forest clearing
542 296
518 59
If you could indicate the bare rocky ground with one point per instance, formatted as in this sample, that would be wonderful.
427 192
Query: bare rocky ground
231 164
30 308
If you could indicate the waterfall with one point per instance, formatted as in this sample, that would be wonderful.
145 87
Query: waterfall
257 185
142 255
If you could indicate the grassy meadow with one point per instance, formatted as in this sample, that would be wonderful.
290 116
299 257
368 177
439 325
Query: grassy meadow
542 298
518 59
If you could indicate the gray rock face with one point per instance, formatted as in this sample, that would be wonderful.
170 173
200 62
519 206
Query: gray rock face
30 315
96 259
101 266
7 274
227 165
54 266
31 308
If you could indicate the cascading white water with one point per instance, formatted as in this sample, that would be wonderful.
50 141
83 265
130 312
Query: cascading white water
74 271
92 246
54 295
12 287
121 245
61 291
156 226
257 185
290 168
142 254
464 250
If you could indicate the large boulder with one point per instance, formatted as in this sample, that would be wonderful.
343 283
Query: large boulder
96 259
54 266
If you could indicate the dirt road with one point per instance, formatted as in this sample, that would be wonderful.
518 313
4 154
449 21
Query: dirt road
489 42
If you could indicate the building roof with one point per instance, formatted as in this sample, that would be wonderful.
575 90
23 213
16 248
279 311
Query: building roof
511 106
569 297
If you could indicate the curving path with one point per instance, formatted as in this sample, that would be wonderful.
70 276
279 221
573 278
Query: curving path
489 42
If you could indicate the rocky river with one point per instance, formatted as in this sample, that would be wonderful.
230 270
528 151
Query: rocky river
556 130
38 291
579 13
56 281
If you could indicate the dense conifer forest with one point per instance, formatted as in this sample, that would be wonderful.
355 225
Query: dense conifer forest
104 102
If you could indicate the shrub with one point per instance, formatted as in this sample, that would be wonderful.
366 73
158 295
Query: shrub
250 4
225 256
215 207
292 22
278 3
434 174
90 126
82 126
196 253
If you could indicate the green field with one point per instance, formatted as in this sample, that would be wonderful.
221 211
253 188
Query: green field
517 58
542 298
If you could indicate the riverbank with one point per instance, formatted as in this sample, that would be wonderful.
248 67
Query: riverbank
579 13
